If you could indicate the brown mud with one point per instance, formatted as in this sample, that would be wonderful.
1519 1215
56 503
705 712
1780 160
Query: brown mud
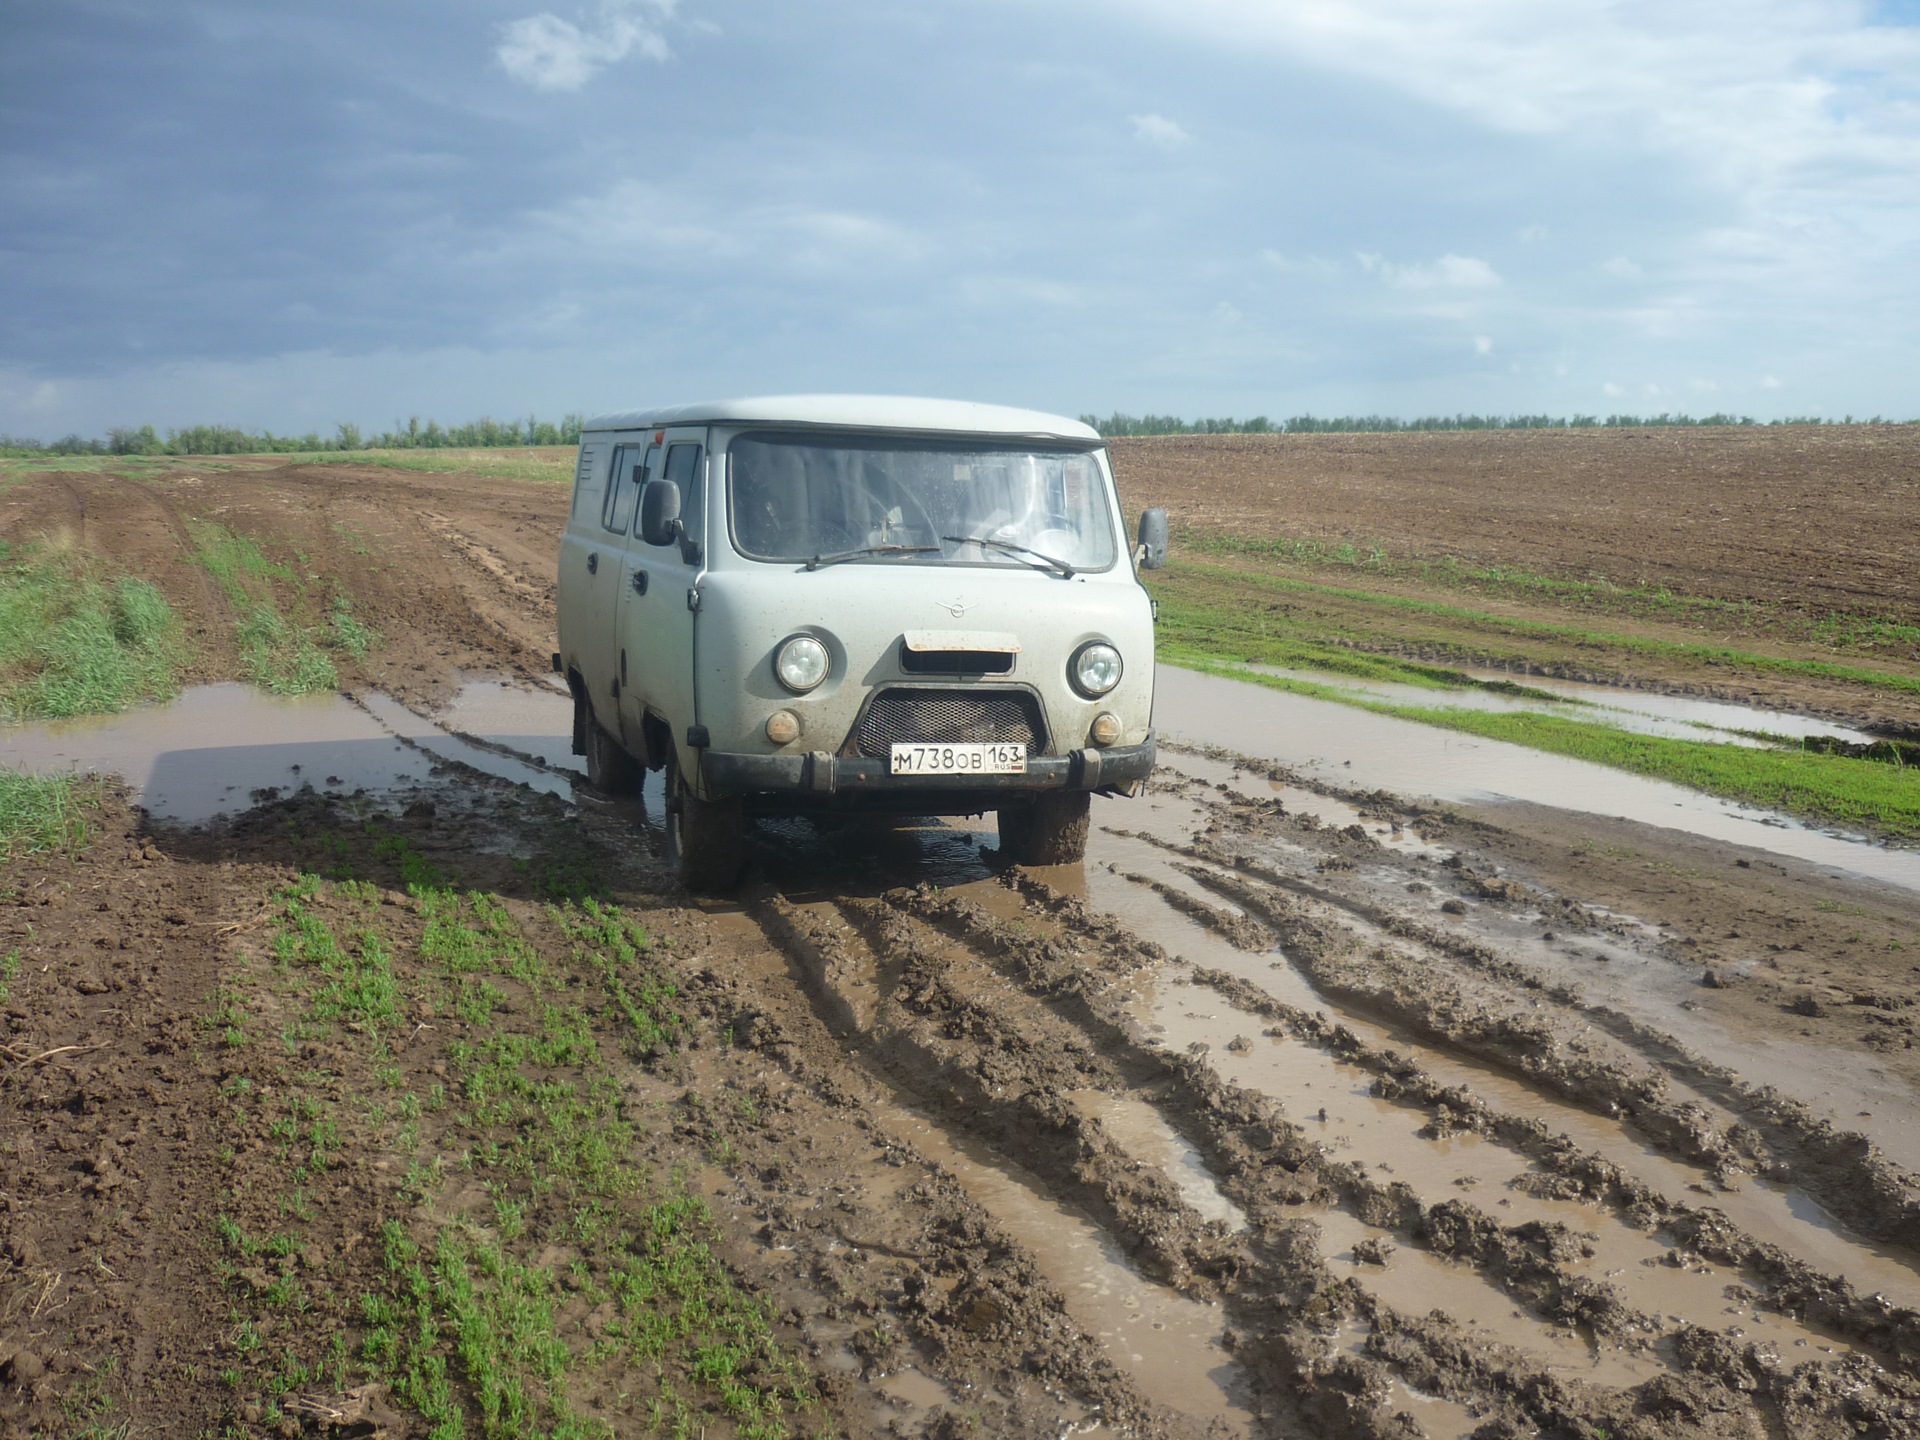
1289 1113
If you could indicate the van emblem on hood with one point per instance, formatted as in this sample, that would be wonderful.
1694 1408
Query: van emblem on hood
956 607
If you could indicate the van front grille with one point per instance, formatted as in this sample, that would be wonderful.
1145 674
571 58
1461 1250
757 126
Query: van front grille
947 717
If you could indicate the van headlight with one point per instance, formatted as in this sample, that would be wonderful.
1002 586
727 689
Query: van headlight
801 663
1095 668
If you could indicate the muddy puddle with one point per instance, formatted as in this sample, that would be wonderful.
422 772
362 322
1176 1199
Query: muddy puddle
1678 717
215 748
1353 748
1144 1134
1169 1345
536 723
1309 1082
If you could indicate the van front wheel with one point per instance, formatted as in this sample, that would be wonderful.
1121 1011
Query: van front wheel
1051 829
706 839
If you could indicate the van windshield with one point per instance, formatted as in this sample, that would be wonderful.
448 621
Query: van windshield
911 501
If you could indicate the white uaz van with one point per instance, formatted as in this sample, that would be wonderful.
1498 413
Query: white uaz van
856 603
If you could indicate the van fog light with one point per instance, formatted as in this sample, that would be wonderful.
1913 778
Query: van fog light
1094 669
783 727
1105 729
801 663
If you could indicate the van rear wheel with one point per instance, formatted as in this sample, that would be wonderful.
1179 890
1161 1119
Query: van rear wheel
706 839
610 770
1050 829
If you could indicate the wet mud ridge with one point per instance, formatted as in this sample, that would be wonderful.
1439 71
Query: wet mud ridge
1288 1114
1419 1183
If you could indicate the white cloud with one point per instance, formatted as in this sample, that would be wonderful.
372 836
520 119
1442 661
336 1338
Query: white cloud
1806 122
1613 391
1449 272
1159 132
1483 344
1769 382
1621 268
549 53
1533 234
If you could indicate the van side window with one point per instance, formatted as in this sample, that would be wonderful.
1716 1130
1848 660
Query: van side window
586 492
628 476
683 469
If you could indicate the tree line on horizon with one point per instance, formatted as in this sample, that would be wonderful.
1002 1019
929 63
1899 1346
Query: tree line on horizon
1120 425
488 433
483 434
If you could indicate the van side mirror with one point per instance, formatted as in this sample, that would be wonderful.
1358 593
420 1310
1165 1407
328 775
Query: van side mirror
1153 539
660 512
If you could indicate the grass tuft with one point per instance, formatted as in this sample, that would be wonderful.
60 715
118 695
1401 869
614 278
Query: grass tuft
72 644
39 813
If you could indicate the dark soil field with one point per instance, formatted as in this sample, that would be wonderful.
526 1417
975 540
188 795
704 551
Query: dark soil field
1812 517
1291 1113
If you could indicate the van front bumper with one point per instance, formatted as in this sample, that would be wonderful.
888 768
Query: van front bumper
818 773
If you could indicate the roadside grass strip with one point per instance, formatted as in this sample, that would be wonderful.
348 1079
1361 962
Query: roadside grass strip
1839 631
278 651
533 1275
43 812
1873 796
1206 608
554 464
73 644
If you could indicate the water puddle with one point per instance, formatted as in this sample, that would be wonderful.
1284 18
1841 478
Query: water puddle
1144 1133
1334 1102
400 721
1438 1417
1678 717
1415 1282
208 751
1304 1078
1695 713
1356 749
536 723
1168 1344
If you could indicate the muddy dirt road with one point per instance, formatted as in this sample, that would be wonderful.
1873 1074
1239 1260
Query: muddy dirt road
1292 1112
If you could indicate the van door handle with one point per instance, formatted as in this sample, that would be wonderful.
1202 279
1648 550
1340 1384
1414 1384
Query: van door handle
593 564
639 582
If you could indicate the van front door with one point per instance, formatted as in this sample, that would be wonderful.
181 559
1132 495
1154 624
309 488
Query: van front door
656 611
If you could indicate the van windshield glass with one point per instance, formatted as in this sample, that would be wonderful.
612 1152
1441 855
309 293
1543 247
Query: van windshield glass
917 502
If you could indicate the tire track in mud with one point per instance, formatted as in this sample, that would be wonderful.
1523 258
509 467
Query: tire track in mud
1678 1102
1560 1290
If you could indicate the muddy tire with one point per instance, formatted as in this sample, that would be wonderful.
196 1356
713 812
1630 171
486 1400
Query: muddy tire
1049 830
706 839
610 770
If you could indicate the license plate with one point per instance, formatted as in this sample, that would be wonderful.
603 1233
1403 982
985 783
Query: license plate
959 759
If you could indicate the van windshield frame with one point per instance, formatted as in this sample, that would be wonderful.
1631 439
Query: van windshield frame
907 499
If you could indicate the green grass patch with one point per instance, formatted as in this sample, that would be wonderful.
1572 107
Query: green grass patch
281 656
1879 798
278 651
40 813
555 463
74 644
1597 593
1219 610
1258 635
469 1325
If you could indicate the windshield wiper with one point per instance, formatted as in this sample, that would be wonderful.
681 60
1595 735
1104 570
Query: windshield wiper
1066 570
817 561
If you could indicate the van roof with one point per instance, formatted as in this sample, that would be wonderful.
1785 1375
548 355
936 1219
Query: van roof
857 412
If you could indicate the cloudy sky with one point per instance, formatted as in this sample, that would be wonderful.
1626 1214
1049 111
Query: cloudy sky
283 214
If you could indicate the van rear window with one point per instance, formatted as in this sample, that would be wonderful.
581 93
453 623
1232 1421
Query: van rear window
796 497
